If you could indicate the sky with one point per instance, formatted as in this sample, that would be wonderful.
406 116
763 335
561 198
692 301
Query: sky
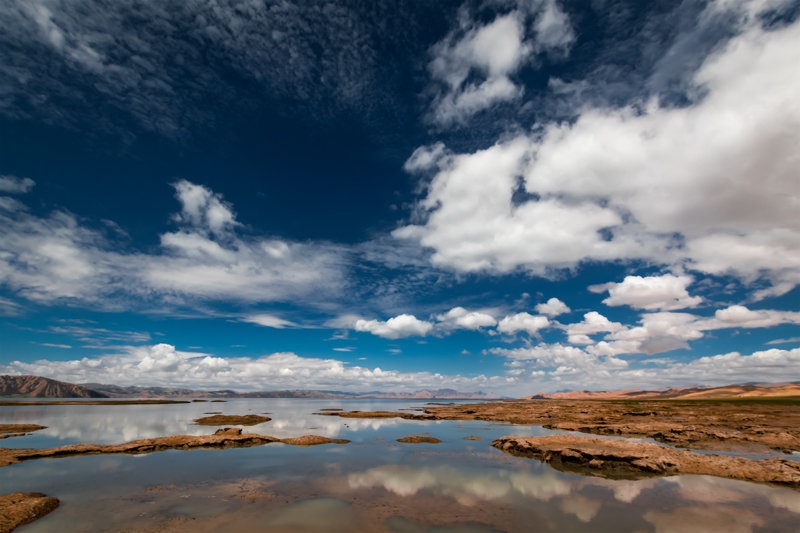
506 196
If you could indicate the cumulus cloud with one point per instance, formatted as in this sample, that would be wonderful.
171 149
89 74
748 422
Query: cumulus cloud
398 327
593 322
551 367
458 317
164 365
202 208
59 258
552 307
665 331
667 292
523 322
649 180
492 53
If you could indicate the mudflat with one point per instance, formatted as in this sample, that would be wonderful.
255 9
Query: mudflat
736 426
717 425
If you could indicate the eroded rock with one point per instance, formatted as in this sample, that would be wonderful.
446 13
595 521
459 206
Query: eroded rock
238 420
627 459
22 508
418 439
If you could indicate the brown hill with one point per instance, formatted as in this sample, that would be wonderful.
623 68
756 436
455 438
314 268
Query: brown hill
728 391
39 387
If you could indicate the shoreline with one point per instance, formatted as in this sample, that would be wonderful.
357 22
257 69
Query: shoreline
768 427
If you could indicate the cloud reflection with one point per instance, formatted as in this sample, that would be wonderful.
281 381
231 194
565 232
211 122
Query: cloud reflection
465 486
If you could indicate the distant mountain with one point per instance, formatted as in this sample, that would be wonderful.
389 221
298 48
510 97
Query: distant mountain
116 391
39 387
728 391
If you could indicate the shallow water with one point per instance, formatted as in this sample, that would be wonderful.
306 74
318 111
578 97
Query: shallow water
372 484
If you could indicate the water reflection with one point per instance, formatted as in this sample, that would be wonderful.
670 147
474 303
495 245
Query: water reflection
372 484
110 424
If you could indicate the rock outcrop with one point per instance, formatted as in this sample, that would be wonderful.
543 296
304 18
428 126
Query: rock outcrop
419 439
627 459
237 420
22 508
18 430
225 438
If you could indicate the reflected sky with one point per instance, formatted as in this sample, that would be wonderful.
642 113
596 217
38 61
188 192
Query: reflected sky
372 484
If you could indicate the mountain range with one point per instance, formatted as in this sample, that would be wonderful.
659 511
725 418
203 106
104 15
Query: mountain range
751 390
41 387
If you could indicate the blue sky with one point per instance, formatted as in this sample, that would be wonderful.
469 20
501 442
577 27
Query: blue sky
499 196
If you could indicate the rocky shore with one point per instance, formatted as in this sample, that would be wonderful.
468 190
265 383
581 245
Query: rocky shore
18 430
223 438
744 427
627 459
22 508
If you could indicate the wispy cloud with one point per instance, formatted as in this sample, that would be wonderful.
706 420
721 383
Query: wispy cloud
269 321
159 63
59 259
15 185
55 345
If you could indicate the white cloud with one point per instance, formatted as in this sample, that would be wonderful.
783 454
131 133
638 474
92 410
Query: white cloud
523 322
58 258
458 317
473 225
665 331
553 367
164 365
593 322
739 316
666 292
553 307
15 185
202 208
398 327
553 29
672 185
269 321
493 52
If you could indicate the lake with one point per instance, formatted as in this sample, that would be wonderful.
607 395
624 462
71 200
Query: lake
371 484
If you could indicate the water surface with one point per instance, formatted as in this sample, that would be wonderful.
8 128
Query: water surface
372 484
